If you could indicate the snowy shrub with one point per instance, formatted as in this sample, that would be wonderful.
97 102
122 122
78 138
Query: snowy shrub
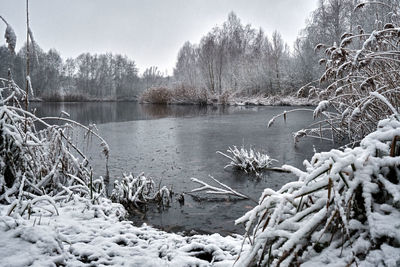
362 73
343 210
139 190
224 97
156 95
247 160
189 94
57 96
40 165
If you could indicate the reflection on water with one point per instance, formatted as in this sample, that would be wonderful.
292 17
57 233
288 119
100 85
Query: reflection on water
174 143
103 112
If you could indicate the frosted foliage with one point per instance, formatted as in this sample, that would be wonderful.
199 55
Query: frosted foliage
343 209
247 160
362 79
39 166
11 38
139 190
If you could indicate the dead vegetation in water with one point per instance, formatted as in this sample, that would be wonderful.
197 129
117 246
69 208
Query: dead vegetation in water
250 161
140 190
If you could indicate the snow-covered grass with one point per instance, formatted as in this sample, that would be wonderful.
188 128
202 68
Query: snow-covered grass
343 210
139 190
247 160
40 165
361 83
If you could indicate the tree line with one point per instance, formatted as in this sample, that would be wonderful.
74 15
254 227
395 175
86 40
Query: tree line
243 60
231 59
86 77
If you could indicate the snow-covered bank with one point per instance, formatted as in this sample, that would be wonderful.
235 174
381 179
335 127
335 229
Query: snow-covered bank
190 96
91 235
272 101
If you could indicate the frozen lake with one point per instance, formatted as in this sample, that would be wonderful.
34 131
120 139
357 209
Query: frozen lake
174 143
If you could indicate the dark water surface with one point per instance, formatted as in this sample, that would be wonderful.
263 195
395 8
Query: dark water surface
174 143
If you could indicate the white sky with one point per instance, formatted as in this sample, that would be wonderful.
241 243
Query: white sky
150 32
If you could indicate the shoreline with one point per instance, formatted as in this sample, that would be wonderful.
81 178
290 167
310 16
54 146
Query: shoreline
243 101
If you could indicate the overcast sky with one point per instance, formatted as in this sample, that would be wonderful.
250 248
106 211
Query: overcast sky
148 31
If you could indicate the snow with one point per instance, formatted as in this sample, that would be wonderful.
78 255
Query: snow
81 236
11 38
28 79
271 101
322 106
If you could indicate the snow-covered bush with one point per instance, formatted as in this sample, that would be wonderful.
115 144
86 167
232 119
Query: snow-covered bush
40 165
189 94
247 160
362 73
156 95
139 190
343 210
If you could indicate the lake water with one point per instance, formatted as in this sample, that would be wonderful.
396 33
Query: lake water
174 143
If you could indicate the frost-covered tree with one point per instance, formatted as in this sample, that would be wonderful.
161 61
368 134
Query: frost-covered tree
186 69
235 58
152 77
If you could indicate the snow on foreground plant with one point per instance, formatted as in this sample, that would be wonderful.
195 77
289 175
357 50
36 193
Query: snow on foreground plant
40 165
247 160
361 82
343 210
138 191
11 38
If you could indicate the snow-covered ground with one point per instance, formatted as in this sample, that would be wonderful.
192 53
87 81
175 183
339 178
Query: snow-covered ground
83 235
272 101
276 100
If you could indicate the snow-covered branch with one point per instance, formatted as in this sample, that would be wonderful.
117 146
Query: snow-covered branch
223 190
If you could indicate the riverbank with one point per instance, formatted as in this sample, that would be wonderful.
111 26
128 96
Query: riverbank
275 100
232 101
272 101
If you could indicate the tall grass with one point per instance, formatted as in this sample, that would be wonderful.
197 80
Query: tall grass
40 165
363 81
